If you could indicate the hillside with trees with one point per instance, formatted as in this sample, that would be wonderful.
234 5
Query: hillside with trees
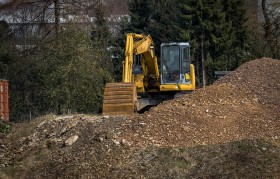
58 55
53 64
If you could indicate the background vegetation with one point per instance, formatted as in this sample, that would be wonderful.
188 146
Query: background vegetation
58 55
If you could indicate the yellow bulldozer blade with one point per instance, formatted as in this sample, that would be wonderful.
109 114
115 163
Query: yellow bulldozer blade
119 99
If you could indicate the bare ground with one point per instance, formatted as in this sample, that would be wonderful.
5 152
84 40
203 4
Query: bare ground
230 129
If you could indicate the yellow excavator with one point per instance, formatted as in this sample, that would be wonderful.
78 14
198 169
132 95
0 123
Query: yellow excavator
146 83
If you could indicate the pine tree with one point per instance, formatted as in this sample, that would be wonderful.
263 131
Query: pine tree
101 37
7 50
164 22
216 35
157 18
203 26
235 13
118 42
100 33
140 12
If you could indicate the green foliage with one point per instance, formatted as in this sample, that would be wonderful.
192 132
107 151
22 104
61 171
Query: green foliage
156 18
9 67
73 78
213 27
66 74
213 30
100 34
63 73
4 127
6 49
140 15
118 49
264 33
164 22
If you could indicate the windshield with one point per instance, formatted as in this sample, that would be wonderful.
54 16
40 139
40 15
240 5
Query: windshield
171 57
171 64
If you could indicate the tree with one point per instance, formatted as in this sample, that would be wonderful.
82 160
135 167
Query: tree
271 27
264 30
156 18
69 78
236 15
118 47
217 38
140 12
213 33
163 25
6 49
101 38
61 73
201 28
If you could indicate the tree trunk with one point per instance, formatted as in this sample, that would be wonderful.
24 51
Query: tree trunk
268 29
57 16
267 25
198 67
202 64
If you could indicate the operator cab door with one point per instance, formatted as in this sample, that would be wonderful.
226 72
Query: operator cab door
175 63
185 64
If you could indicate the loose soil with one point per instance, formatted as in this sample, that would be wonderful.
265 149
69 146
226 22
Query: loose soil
230 129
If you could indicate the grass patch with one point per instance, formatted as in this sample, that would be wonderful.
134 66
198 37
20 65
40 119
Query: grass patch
240 159
28 159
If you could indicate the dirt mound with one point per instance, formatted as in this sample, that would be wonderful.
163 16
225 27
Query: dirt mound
261 76
244 104
77 146
97 153
230 129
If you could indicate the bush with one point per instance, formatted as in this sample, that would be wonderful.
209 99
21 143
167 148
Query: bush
4 127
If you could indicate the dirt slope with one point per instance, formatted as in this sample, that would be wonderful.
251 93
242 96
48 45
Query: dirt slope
261 76
230 129
243 105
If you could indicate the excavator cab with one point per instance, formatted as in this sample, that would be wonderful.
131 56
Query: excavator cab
175 66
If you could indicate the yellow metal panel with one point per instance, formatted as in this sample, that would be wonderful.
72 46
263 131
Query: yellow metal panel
192 76
138 80
139 36
127 70
169 87
186 87
143 45
139 44
187 76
